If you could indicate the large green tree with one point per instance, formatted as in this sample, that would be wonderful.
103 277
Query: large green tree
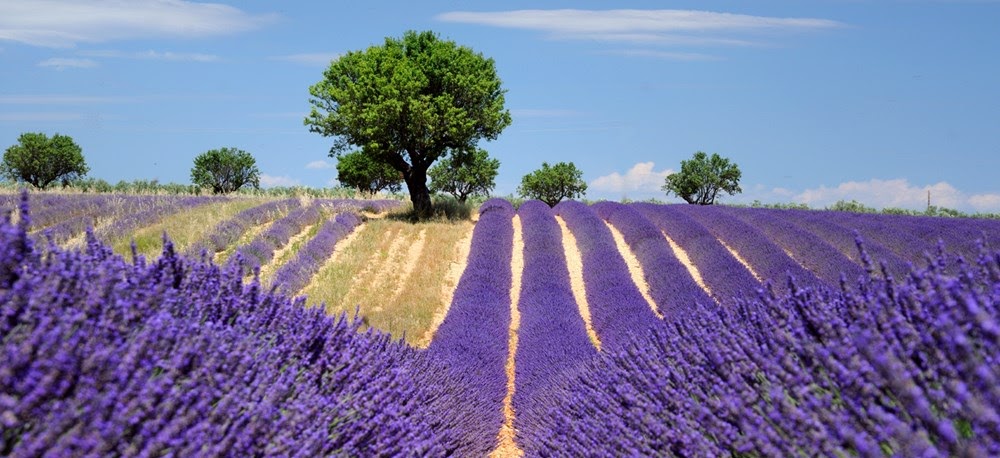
551 184
702 178
408 103
464 174
225 170
39 160
360 171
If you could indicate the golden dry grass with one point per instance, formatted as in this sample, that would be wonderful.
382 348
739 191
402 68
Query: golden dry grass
392 277
184 228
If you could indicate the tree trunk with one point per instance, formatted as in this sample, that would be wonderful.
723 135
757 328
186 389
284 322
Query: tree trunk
420 196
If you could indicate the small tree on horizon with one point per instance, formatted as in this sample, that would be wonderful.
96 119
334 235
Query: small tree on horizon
552 184
465 174
39 160
702 178
225 170
359 171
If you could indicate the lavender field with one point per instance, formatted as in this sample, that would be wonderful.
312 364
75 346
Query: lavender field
582 330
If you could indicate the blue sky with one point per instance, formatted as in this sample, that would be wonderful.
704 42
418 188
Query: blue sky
816 101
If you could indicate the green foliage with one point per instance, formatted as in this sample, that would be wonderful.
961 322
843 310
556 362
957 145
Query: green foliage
702 178
553 184
366 174
39 160
779 206
852 206
464 174
225 170
408 103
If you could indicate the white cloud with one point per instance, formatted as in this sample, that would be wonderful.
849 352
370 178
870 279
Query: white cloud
634 25
268 181
884 193
640 179
65 23
320 165
314 59
878 193
152 55
62 63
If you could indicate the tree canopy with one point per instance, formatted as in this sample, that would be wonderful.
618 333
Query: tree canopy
465 174
553 184
409 102
225 170
360 171
702 178
39 160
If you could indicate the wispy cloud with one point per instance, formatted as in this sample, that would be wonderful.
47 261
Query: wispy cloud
41 117
543 113
269 181
659 27
62 63
52 99
66 23
642 179
665 55
644 24
312 59
320 165
151 55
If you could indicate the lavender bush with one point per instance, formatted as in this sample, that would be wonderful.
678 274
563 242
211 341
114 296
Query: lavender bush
473 337
721 272
907 369
617 308
179 358
670 284
295 274
261 249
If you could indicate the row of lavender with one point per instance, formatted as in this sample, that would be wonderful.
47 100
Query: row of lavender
891 368
103 357
821 355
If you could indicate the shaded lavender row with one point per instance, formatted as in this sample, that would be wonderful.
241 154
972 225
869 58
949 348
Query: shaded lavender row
178 358
813 252
228 232
261 249
721 272
473 338
670 284
156 209
845 239
617 308
764 256
552 338
295 274
893 369
51 209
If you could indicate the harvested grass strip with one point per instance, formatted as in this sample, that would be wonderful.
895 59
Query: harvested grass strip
634 269
455 270
506 445
409 262
574 262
